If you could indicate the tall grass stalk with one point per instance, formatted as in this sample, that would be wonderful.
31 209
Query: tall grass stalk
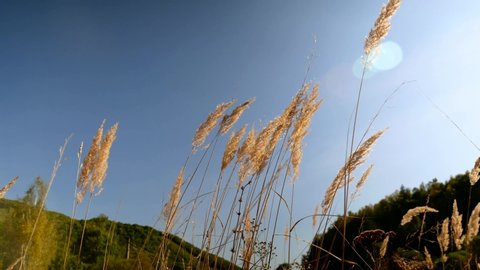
56 166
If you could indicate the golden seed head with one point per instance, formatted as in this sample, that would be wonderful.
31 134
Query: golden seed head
302 123
207 126
444 237
473 224
101 164
355 160
415 212
4 190
229 120
88 165
457 228
232 147
171 207
474 174
381 27
428 259
383 247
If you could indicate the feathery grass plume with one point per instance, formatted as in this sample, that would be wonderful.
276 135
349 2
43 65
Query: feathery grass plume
171 207
229 120
383 247
473 175
292 109
101 164
4 190
259 155
473 224
355 159
381 26
309 107
457 229
415 212
206 127
444 238
88 164
232 147
247 145
315 215
428 259
362 181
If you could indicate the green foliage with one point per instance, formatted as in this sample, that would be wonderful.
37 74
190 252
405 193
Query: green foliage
48 244
17 227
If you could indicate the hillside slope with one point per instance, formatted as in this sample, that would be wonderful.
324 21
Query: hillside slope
123 247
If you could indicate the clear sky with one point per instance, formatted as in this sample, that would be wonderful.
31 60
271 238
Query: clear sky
159 67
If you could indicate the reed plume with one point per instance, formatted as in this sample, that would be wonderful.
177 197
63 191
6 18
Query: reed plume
362 181
207 126
244 156
229 120
101 164
381 27
444 239
457 229
428 259
473 224
309 107
474 174
415 212
4 190
171 207
383 247
88 164
258 155
355 159
232 147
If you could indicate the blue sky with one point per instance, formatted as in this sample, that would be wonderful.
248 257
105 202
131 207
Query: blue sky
159 67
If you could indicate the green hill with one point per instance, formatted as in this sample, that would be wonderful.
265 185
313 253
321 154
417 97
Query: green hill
123 249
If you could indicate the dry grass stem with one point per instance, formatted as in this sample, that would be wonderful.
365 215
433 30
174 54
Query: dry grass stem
381 26
4 190
206 127
473 224
232 147
248 246
286 233
457 228
428 259
415 212
171 207
474 174
356 159
229 120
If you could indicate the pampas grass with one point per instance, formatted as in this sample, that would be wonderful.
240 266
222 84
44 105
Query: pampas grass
4 190
415 212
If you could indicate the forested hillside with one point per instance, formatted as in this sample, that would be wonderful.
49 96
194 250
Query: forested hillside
106 244
368 228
